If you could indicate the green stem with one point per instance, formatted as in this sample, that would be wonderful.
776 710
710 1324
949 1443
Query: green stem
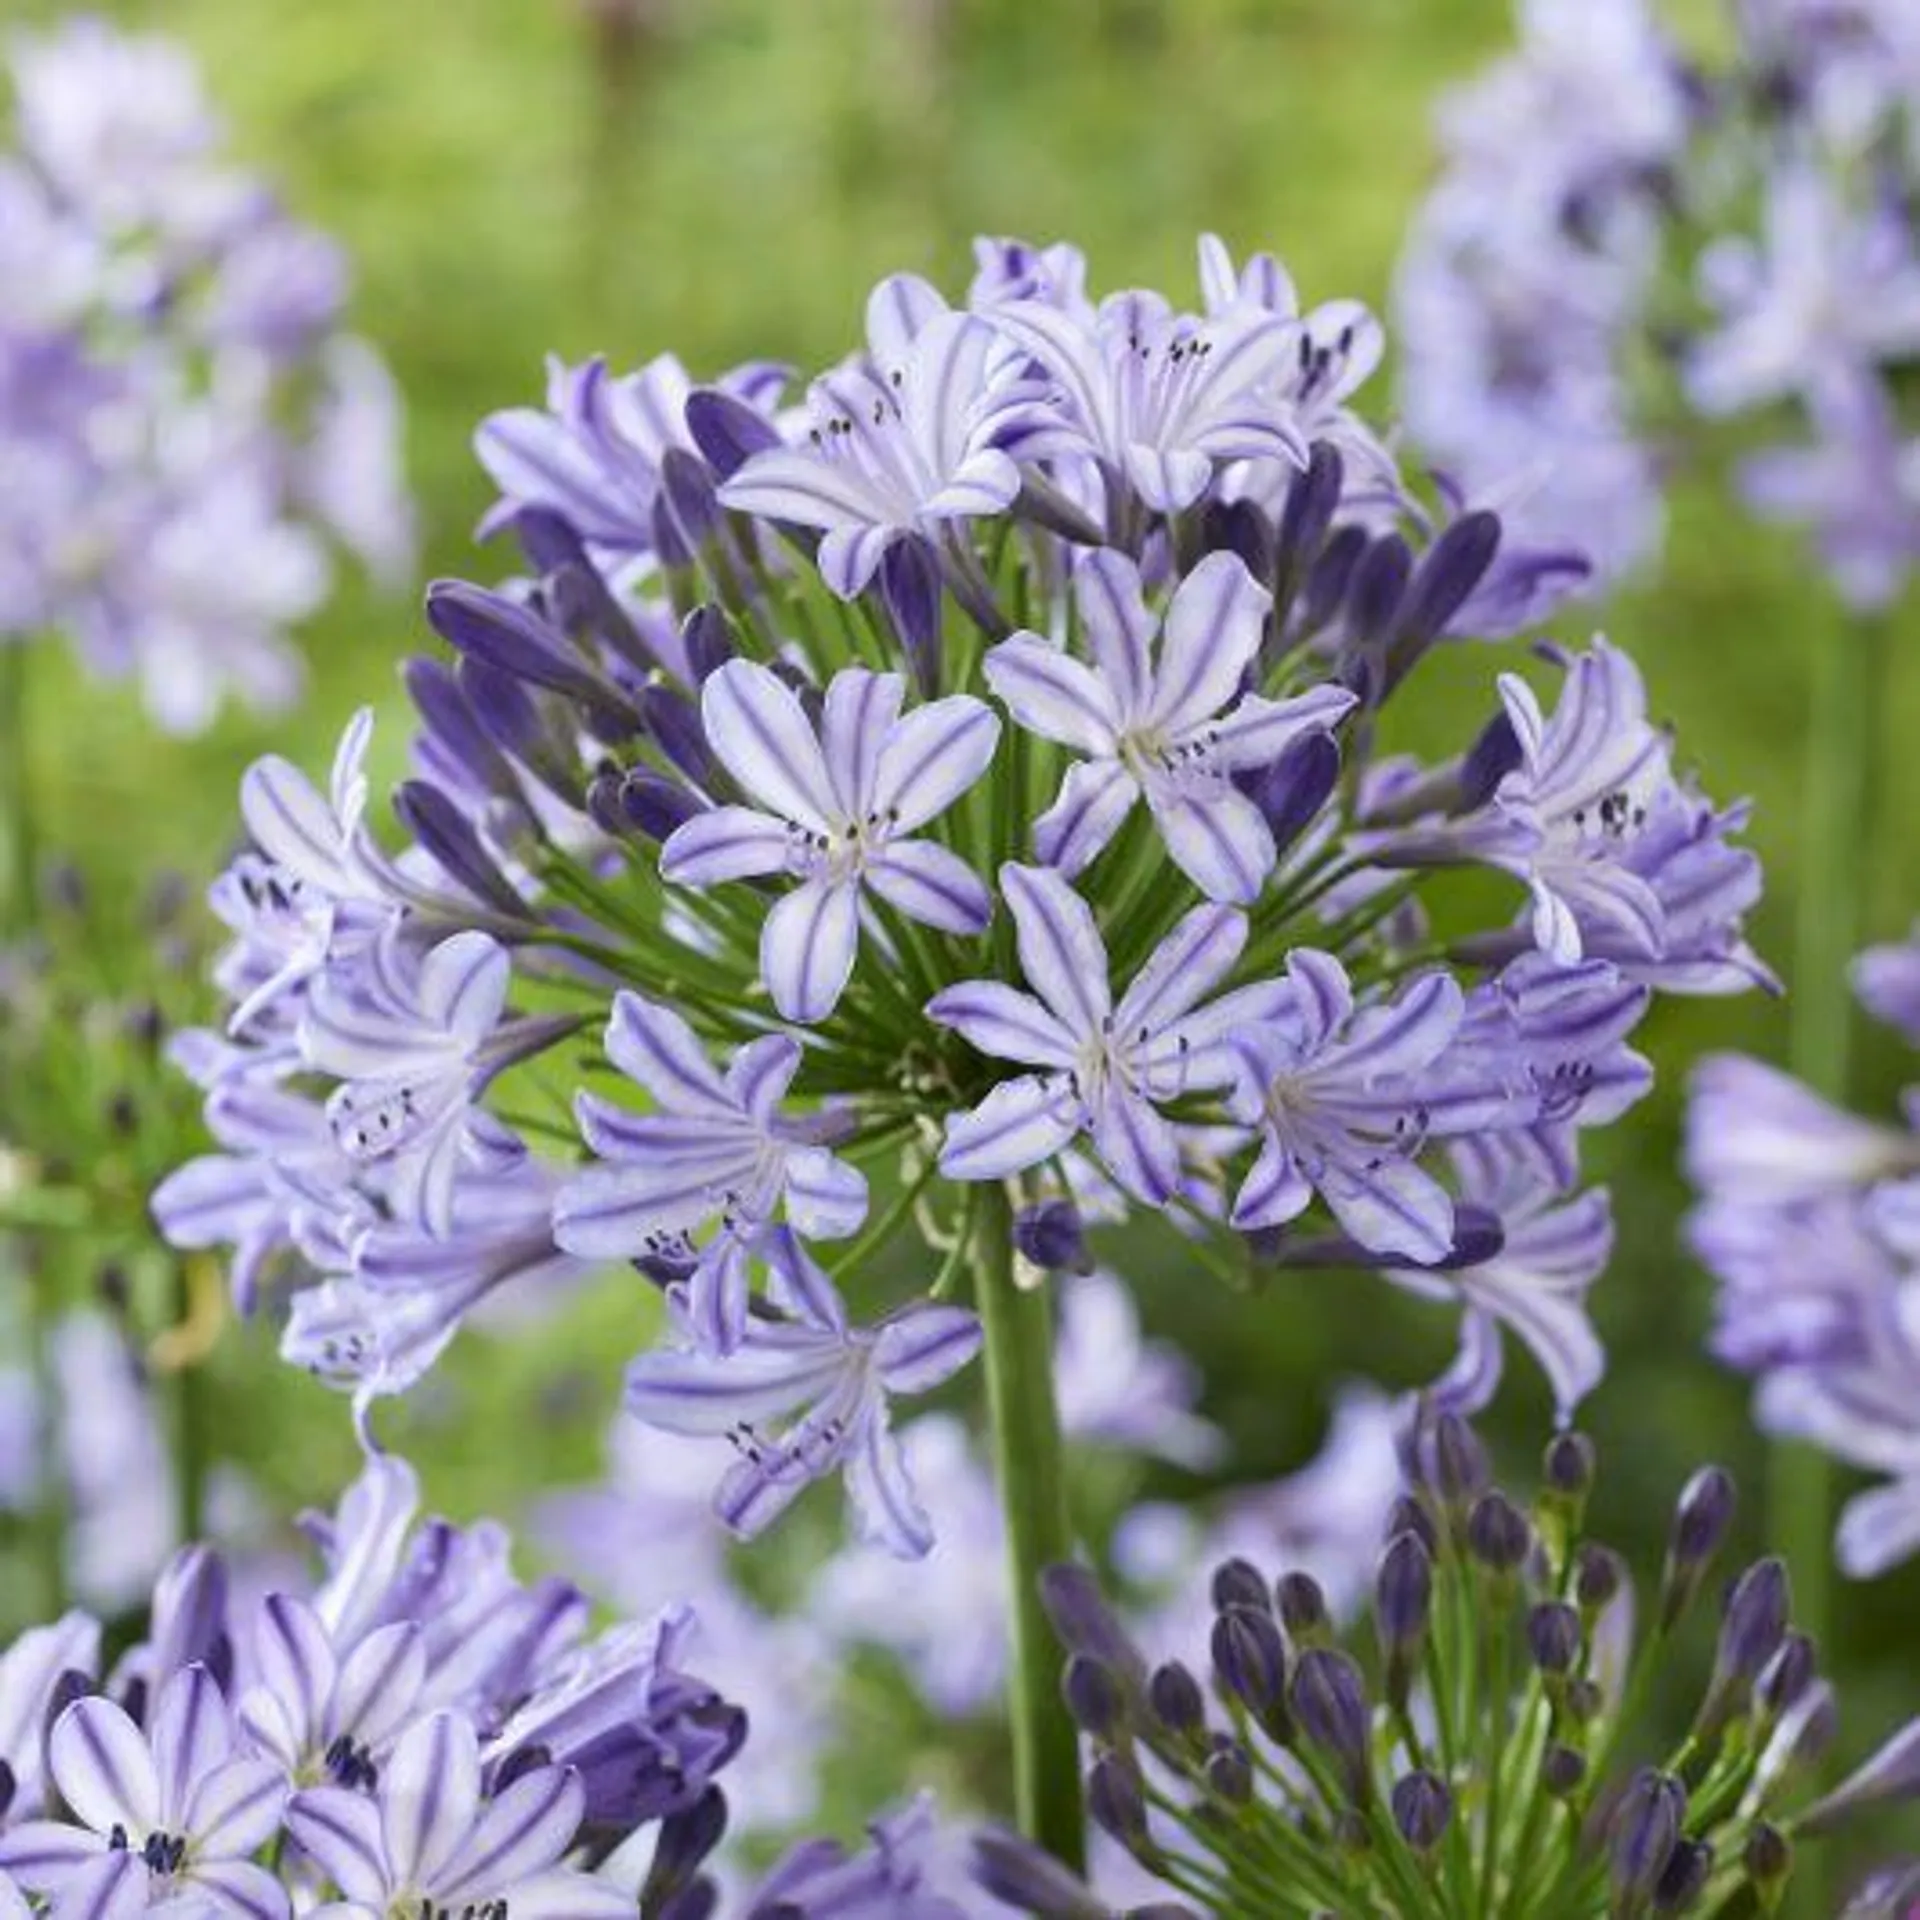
1843 752
20 851
1027 1464
189 1421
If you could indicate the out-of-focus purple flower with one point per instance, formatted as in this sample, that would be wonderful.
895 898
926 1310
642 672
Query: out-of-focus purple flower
838 807
900 1875
715 1151
1887 981
806 1395
1167 725
1107 1068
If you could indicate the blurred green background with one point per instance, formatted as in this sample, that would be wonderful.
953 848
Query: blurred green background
726 178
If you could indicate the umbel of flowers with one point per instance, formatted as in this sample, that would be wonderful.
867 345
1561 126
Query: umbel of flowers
1480 1745
185 427
948 815
1635 244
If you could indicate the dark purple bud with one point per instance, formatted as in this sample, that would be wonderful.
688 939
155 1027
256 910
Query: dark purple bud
1643 1833
698 1901
1379 582
1403 1595
135 1695
1450 569
1229 1772
1093 1696
446 835
1563 1770
603 801
1328 578
1313 497
1239 1583
1479 1235
1754 1623
1329 1702
1086 1624
1451 1461
650 803
1291 792
1554 1636
487 626
1050 1235
1408 1515
1786 1676
1701 1519
9 1786
685 507
1303 1606
1498 1533
685 1841
1768 1857
1011 1868
1422 1807
1569 1467
1689 1868
1488 761
727 431
1598 1575
1117 1800
1240 528
1177 1702
1582 1701
442 705
706 640
910 586
1250 1660
673 721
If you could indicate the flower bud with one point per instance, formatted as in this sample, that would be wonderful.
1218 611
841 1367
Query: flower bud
1013 1869
1238 1583
1554 1636
707 642
1643 1833
1751 1629
1889 1775
910 585
1051 1236
1768 1859
1093 1696
1422 1806
686 1839
1568 1467
1303 1607
1117 1801
1330 1703
1563 1770
1403 1595
1408 1515
1250 1661
1498 1533
1786 1676
727 431
650 803
1229 1772
1701 1519
1085 1623
1689 1868
1453 1462
1598 1575
1177 1702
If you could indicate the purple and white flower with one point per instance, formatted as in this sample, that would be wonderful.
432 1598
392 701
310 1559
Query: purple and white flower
838 807
806 1395
1169 725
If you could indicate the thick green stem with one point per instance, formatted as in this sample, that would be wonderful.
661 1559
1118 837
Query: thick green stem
1027 1464
18 848
189 1417
1843 753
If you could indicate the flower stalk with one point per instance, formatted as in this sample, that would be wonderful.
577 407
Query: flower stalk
1025 1426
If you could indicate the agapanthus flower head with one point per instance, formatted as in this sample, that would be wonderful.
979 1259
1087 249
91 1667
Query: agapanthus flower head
1474 1742
188 428
956 805
1594 288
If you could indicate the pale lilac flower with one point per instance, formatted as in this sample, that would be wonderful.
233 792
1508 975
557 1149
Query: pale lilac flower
1107 1068
838 808
414 1041
1170 725
1007 269
1155 398
1345 1100
1886 981
896 451
29 1671
321 1716
806 1395
322 840
715 1152
1829 284
901 1875
429 1836
175 1811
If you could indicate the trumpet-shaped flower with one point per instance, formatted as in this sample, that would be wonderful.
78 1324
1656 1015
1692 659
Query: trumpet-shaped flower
806 1395
716 1152
837 807
1169 725
1106 1068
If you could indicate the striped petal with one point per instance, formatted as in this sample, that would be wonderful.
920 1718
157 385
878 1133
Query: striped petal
1019 1124
725 843
430 1788
1095 797
567 1894
296 1659
103 1768
343 1833
1220 840
1274 1191
929 884
807 948
849 557
1182 970
191 1735
654 1047
44 1854
826 1199
236 1809
1119 626
856 725
380 1683
1053 695
1212 632
463 986
931 757
526 1827
111 1886
240 1888
704 1394
761 735
1138 1147
1002 1021
886 1507
921 1346
1061 951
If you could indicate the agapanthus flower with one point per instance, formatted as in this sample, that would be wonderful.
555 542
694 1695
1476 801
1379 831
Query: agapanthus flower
807 1394
895 974
1293 1766
1738 230
188 429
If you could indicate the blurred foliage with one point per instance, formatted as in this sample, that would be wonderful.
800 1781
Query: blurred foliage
725 178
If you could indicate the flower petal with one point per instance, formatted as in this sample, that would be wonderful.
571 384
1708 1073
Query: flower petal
1061 951
1053 695
1212 632
526 1827
110 1886
927 883
1119 627
1218 838
1138 1147
342 1831
1019 1124
807 948
430 1789
1274 1191
886 1507
1183 969
240 1888
296 1659
760 734
1094 799
826 1199
932 757
654 1046
922 1345
857 723
1002 1021
103 1767
463 985
236 1809
725 843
